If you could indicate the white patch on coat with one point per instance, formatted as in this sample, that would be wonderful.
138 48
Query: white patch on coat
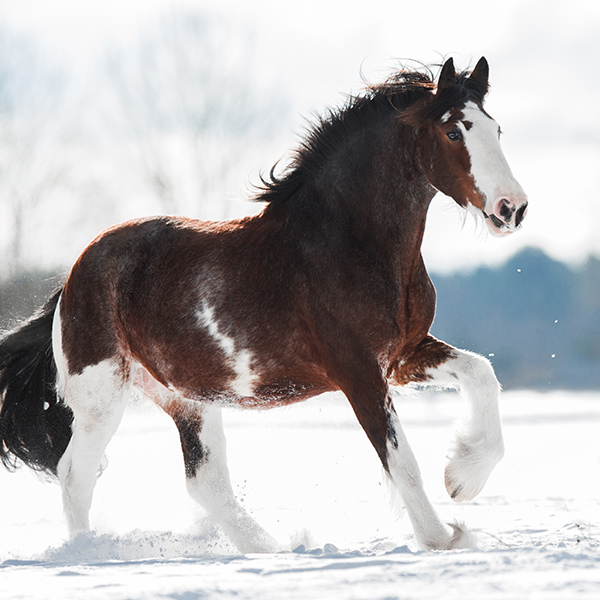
489 167
446 117
239 360
57 350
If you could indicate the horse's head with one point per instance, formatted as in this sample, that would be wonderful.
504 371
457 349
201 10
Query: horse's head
460 150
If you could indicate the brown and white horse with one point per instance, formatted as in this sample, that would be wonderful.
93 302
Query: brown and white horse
324 290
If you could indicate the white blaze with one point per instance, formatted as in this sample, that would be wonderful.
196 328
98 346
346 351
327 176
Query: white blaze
489 168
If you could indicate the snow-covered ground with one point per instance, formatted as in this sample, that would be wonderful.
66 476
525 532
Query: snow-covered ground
308 474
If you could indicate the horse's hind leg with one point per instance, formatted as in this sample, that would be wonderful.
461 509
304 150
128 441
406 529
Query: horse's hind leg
207 476
97 396
479 445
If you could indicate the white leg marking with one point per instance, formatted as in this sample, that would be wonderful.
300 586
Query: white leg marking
211 488
479 445
430 532
239 360
97 397
211 485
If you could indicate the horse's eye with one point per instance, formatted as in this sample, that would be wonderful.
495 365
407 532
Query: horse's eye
455 135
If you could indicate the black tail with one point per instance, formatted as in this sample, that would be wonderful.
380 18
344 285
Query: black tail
35 426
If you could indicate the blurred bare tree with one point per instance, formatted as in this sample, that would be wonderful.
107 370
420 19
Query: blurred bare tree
31 168
191 106
173 125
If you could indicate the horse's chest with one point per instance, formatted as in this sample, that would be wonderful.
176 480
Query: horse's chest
417 311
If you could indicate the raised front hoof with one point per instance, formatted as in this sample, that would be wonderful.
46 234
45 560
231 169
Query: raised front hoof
469 468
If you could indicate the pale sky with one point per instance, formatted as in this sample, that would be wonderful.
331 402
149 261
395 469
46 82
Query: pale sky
543 57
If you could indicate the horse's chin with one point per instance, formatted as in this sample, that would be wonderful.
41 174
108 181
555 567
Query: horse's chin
480 215
496 231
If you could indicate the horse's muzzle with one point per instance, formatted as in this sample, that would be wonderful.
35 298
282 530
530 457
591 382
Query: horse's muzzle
507 214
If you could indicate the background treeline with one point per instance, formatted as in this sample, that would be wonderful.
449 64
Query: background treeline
537 319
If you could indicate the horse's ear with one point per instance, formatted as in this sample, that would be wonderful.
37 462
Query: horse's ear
447 76
480 75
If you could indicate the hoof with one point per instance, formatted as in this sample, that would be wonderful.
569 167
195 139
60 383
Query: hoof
458 538
469 467
462 538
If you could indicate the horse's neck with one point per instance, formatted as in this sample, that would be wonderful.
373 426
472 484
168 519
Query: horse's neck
375 188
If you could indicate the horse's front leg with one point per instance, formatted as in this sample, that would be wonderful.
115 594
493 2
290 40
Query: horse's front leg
479 445
373 407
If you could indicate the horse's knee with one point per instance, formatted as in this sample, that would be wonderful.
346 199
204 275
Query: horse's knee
477 370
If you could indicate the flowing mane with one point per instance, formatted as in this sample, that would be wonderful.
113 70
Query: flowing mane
410 93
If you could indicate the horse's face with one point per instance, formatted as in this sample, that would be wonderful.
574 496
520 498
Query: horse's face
466 162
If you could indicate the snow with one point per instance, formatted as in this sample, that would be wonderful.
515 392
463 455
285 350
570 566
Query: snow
308 474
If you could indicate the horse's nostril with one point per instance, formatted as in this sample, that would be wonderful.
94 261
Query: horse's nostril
520 215
506 209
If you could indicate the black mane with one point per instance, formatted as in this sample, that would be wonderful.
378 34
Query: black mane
411 93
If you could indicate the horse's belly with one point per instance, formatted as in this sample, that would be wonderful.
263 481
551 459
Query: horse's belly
247 389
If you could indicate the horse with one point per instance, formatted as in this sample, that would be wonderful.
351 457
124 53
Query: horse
324 289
